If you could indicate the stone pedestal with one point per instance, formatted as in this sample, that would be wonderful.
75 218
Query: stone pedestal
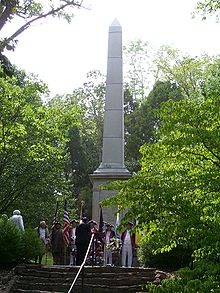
98 195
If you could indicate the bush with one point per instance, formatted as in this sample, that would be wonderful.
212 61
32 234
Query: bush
174 259
10 240
31 245
17 246
204 278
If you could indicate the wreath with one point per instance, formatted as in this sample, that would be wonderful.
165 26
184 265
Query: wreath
115 244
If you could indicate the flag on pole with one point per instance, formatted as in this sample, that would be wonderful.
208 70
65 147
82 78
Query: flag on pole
66 224
55 218
101 222
117 223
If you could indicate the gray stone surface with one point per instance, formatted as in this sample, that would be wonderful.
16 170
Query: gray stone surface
112 166
57 279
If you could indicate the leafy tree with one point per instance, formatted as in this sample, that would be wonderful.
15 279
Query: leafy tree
33 139
86 138
142 124
29 12
208 7
138 67
175 195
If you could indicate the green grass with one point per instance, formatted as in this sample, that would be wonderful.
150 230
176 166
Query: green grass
47 259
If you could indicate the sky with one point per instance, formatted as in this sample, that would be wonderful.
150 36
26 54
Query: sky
61 54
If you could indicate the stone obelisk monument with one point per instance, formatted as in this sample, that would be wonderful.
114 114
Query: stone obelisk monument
112 166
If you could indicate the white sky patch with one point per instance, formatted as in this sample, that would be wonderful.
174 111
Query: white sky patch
62 54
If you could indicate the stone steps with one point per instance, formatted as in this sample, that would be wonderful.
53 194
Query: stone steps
57 279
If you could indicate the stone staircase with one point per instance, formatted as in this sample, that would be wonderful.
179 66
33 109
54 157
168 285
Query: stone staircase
57 279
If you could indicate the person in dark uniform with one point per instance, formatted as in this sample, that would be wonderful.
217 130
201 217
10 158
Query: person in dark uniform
57 244
83 235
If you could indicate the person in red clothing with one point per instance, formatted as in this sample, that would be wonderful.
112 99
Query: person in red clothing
108 235
94 231
128 244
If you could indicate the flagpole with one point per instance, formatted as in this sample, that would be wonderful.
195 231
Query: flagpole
81 210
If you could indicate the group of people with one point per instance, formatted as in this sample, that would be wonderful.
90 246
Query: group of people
79 235
79 238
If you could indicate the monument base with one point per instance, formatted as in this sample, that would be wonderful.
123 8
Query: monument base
98 179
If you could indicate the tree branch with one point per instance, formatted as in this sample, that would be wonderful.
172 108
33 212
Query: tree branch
52 12
208 148
7 12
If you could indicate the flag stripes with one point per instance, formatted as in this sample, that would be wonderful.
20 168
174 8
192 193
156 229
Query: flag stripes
66 224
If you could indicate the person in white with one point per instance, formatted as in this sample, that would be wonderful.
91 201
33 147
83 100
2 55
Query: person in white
108 235
128 243
72 246
43 233
17 219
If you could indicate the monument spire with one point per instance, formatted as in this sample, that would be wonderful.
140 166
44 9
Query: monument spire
112 166
113 134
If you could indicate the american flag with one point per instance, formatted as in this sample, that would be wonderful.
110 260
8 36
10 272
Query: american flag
66 224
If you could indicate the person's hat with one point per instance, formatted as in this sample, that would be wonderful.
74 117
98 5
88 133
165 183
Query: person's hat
92 222
57 223
108 225
74 221
42 222
16 212
130 223
84 219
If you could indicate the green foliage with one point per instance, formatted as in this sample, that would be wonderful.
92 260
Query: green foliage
85 139
175 195
31 245
18 246
143 122
33 139
204 278
173 259
208 7
138 67
10 241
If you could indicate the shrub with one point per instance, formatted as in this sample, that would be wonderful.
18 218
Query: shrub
31 245
10 240
204 278
17 246
174 259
